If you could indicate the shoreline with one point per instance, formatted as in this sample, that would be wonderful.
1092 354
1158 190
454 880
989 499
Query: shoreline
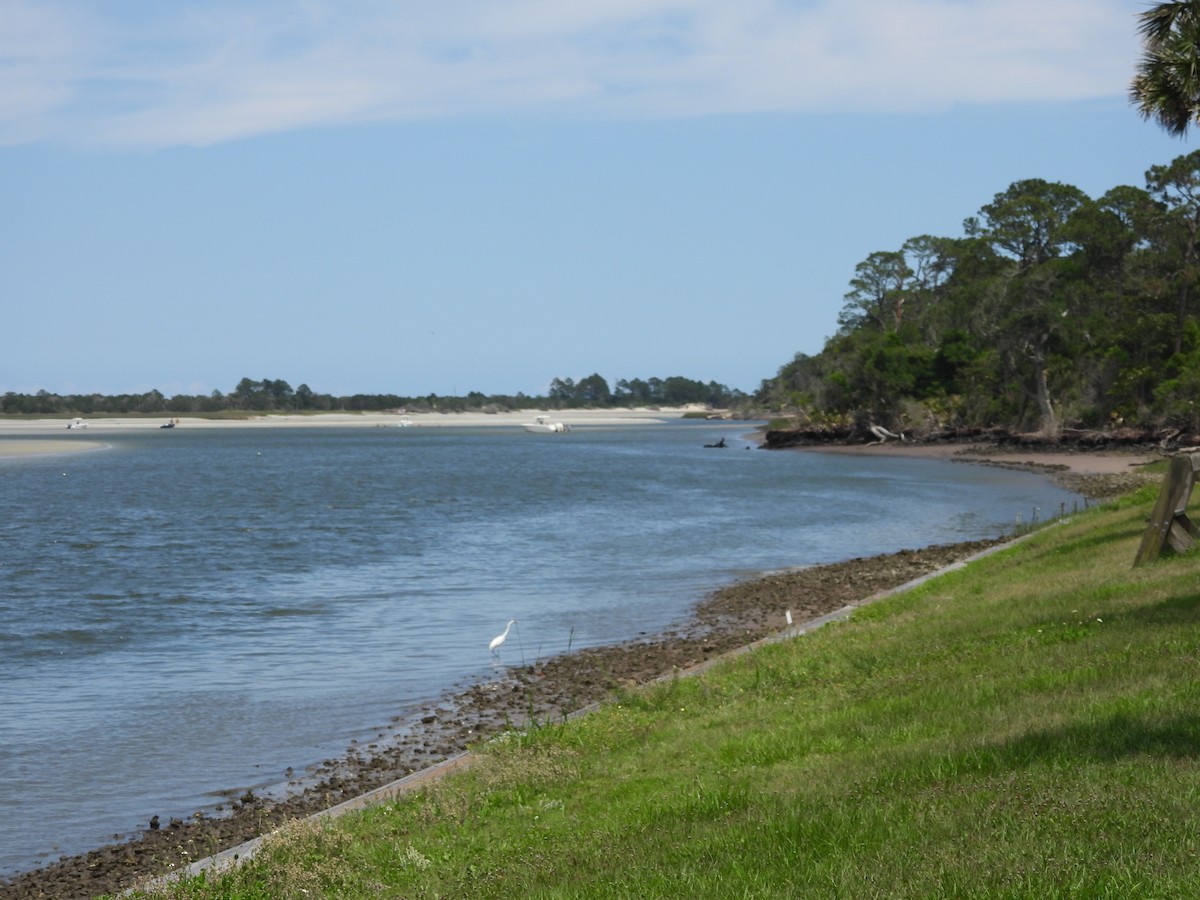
1096 474
418 738
472 419
38 437
726 620
21 438
1084 462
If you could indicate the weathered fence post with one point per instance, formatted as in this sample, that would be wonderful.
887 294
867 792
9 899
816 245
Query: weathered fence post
1169 523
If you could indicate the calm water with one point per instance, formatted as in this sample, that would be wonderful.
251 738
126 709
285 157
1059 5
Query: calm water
193 611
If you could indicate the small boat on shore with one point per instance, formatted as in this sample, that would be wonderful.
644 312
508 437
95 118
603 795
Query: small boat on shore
77 423
543 425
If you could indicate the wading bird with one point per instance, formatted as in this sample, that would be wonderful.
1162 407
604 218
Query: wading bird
499 639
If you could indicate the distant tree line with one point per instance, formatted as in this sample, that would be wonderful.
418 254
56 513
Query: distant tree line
593 391
277 395
1053 309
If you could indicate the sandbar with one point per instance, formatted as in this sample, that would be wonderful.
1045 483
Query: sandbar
473 419
46 447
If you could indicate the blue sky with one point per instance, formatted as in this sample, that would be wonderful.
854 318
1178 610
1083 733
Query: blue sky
388 196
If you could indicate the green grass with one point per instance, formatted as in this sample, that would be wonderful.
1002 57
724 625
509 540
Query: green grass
1028 726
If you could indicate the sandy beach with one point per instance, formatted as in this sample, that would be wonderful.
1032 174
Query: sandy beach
45 437
508 419
1107 462
1095 474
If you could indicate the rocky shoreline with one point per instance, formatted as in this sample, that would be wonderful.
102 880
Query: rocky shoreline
728 619
546 690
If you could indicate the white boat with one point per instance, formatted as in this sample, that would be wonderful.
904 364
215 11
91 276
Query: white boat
543 425
405 422
77 423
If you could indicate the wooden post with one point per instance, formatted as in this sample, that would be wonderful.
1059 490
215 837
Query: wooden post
1169 523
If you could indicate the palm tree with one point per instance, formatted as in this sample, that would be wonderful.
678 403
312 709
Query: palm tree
1166 87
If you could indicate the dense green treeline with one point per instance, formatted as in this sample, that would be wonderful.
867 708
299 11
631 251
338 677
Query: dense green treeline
1053 309
277 395
673 391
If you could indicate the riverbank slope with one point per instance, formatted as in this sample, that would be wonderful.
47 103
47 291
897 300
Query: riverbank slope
1024 726
729 619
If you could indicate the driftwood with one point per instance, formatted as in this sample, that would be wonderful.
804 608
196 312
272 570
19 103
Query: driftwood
882 434
1069 438
1075 437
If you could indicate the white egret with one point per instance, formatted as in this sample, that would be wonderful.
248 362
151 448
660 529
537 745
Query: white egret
499 639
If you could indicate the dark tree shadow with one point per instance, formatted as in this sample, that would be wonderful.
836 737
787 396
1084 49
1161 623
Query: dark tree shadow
1117 737
1181 608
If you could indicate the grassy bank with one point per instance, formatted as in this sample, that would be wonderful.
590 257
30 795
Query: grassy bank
1027 726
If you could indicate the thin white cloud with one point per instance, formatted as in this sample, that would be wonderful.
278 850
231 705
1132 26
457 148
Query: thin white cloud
149 75
39 49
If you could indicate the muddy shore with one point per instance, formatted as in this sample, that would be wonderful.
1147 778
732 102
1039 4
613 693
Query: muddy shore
727 619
